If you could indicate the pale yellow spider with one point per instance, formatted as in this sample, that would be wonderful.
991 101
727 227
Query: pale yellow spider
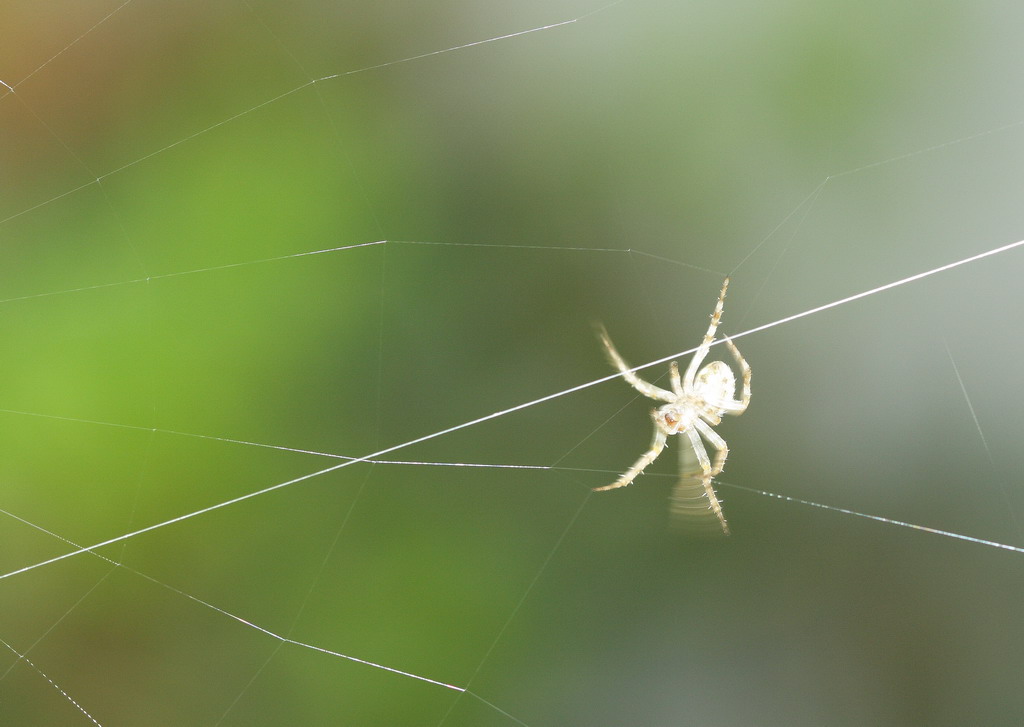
696 403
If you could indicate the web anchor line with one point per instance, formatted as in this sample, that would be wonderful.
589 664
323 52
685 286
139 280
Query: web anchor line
881 519
207 604
55 685
180 273
277 98
509 410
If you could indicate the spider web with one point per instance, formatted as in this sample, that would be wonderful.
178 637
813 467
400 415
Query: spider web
245 245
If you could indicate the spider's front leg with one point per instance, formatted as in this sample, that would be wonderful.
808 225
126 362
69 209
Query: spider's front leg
657 445
645 388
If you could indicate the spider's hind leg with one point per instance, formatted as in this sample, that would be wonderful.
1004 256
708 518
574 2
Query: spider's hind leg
738 407
709 472
688 504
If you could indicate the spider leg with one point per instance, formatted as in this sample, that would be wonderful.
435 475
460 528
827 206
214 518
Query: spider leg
712 418
702 352
648 390
705 463
677 385
657 445
716 441
733 406
688 500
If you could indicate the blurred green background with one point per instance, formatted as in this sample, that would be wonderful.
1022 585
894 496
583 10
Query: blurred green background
610 169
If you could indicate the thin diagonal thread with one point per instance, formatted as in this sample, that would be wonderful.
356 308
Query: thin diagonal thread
503 412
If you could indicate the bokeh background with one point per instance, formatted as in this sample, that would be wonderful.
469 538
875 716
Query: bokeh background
610 169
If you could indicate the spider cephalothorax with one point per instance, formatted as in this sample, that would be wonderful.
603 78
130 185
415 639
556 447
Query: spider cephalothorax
697 401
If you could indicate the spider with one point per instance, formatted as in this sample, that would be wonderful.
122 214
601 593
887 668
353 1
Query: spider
696 403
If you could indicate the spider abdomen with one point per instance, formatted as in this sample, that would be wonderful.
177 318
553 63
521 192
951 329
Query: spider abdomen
715 383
